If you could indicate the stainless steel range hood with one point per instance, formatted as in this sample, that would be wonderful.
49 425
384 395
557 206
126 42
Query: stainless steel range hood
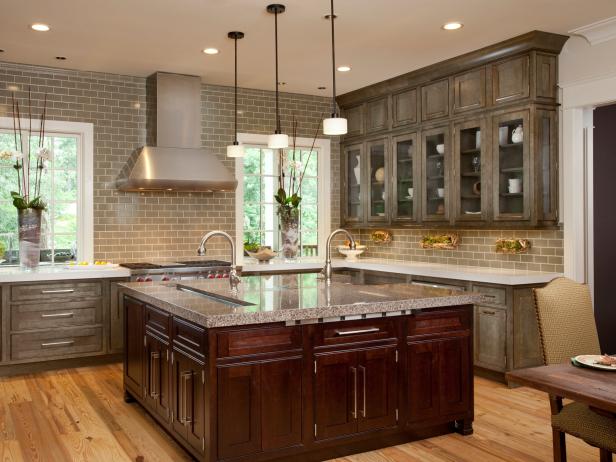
173 158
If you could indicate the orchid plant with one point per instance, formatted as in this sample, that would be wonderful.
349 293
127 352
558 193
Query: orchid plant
290 176
28 194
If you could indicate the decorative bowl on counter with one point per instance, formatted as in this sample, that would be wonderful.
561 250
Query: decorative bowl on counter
351 254
263 254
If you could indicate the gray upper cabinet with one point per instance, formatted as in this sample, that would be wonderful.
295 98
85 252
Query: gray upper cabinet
377 115
435 100
510 80
404 108
469 142
546 79
469 90
355 120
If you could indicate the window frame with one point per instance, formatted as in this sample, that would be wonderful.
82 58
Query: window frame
85 175
323 145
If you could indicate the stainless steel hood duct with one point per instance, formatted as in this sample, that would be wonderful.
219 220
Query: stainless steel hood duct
173 158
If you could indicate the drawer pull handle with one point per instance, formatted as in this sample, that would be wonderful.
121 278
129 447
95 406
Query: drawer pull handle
363 373
370 330
489 313
57 315
57 344
154 374
58 291
489 296
186 406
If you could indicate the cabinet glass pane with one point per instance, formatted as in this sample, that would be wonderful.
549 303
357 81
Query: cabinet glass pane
378 176
354 183
511 166
435 174
470 171
405 192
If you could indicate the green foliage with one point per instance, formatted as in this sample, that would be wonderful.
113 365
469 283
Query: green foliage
2 250
289 201
21 203
251 246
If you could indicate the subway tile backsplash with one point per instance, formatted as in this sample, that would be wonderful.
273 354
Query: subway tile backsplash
168 225
157 225
477 248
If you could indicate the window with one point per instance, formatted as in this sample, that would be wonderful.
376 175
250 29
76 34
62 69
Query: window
66 187
257 174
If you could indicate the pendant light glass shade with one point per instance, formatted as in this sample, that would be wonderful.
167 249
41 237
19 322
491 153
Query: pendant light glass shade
335 125
235 149
278 140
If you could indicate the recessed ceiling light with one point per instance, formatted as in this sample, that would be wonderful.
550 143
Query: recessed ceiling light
282 83
344 68
61 58
1 50
211 51
40 27
321 88
452 26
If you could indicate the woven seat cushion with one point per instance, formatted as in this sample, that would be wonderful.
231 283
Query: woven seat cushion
578 420
566 321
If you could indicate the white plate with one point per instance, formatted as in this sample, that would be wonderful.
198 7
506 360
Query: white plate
91 267
408 197
591 361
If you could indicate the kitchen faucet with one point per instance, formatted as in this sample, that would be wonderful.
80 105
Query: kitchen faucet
234 279
327 270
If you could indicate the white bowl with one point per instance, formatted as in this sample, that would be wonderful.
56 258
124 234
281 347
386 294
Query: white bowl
351 254
440 148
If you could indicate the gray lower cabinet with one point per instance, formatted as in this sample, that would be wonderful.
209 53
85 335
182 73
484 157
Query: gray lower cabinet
53 320
491 338
506 334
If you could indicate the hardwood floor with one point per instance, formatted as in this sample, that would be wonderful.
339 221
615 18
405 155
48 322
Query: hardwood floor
80 415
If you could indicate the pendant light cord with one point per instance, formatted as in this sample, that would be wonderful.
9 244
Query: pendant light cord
332 18
276 53
235 109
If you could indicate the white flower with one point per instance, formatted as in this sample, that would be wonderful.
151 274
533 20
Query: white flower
294 165
43 154
17 155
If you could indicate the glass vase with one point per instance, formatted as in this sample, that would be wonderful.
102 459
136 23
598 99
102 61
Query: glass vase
289 231
29 224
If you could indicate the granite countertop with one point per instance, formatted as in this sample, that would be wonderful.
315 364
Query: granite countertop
438 270
10 274
290 297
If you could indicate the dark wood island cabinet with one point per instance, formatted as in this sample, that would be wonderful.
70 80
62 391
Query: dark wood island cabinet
301 391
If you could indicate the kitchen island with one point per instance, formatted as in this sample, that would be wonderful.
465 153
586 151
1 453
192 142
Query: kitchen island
290 367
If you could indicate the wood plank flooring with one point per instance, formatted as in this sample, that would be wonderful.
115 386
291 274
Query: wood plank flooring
79 415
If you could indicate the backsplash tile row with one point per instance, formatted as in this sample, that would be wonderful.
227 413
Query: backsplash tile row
157 225
477 248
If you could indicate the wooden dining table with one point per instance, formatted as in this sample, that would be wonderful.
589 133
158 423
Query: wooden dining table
595 388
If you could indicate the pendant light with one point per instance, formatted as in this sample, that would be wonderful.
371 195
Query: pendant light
335 125
235 149
278 140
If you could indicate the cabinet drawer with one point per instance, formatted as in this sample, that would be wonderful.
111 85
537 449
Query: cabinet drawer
55 291
157 320
48 316
243 342
439 322
189 336
56 343
495 295
365 330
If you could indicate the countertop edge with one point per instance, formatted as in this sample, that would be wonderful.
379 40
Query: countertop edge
304 314
61 274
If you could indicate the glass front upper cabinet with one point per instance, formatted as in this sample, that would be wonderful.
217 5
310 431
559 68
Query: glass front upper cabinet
435 165
378 180
511 161
405 161
354 212
470 168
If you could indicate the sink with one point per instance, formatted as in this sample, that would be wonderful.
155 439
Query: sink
232 302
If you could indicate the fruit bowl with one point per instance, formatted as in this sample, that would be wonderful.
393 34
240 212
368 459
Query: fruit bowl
263 254
351 254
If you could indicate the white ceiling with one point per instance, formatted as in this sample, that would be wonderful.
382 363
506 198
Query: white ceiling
379 39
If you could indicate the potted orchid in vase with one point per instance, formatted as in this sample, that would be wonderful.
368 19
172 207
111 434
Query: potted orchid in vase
290 176
27 198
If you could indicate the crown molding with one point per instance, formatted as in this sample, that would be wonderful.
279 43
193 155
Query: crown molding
597 32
